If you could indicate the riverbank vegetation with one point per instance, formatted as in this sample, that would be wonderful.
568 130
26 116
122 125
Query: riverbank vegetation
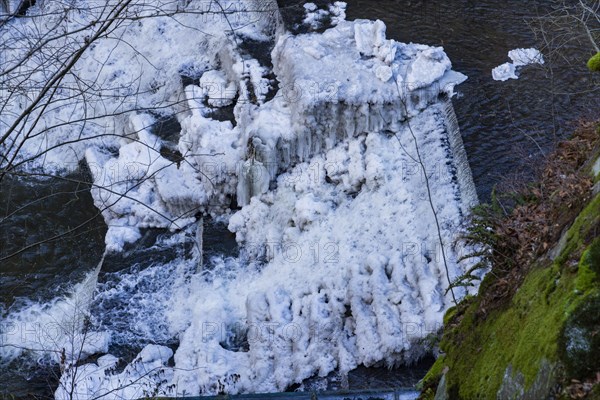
533 330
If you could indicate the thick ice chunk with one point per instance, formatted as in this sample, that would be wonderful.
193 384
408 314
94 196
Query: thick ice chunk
520 58
505 72
135 189
526 56
369 36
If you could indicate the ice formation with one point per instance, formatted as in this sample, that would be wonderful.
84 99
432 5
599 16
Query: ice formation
341 262
520 58
316 18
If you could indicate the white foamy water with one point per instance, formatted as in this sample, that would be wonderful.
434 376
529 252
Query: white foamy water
56 331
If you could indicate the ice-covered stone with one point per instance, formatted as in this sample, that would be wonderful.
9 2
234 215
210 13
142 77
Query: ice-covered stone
219 91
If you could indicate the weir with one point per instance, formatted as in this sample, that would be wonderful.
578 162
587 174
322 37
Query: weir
459 155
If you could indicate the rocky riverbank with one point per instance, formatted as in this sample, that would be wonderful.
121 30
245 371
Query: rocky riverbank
533 330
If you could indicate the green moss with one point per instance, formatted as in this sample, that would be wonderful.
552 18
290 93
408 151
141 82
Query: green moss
433 375
586 221
521 335
593 63
531 328
591 256
451 313
586 279
588 276
579 342
427 394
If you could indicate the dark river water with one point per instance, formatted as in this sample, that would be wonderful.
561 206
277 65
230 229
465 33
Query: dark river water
506 126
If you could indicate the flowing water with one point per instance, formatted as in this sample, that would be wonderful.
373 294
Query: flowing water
503 123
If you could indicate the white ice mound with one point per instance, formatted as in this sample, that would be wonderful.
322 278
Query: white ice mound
341 65
344 82
135 189
341 262
142 377
520 58
333 86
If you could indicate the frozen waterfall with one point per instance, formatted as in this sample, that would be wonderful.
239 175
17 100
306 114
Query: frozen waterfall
340 259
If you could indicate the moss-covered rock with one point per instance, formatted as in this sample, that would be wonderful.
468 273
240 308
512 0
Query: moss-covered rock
534 326
579 342
553 320
594 63
513 383
583 229
523 336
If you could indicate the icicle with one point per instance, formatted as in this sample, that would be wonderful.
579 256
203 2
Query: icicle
254 177
199 244
253 181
